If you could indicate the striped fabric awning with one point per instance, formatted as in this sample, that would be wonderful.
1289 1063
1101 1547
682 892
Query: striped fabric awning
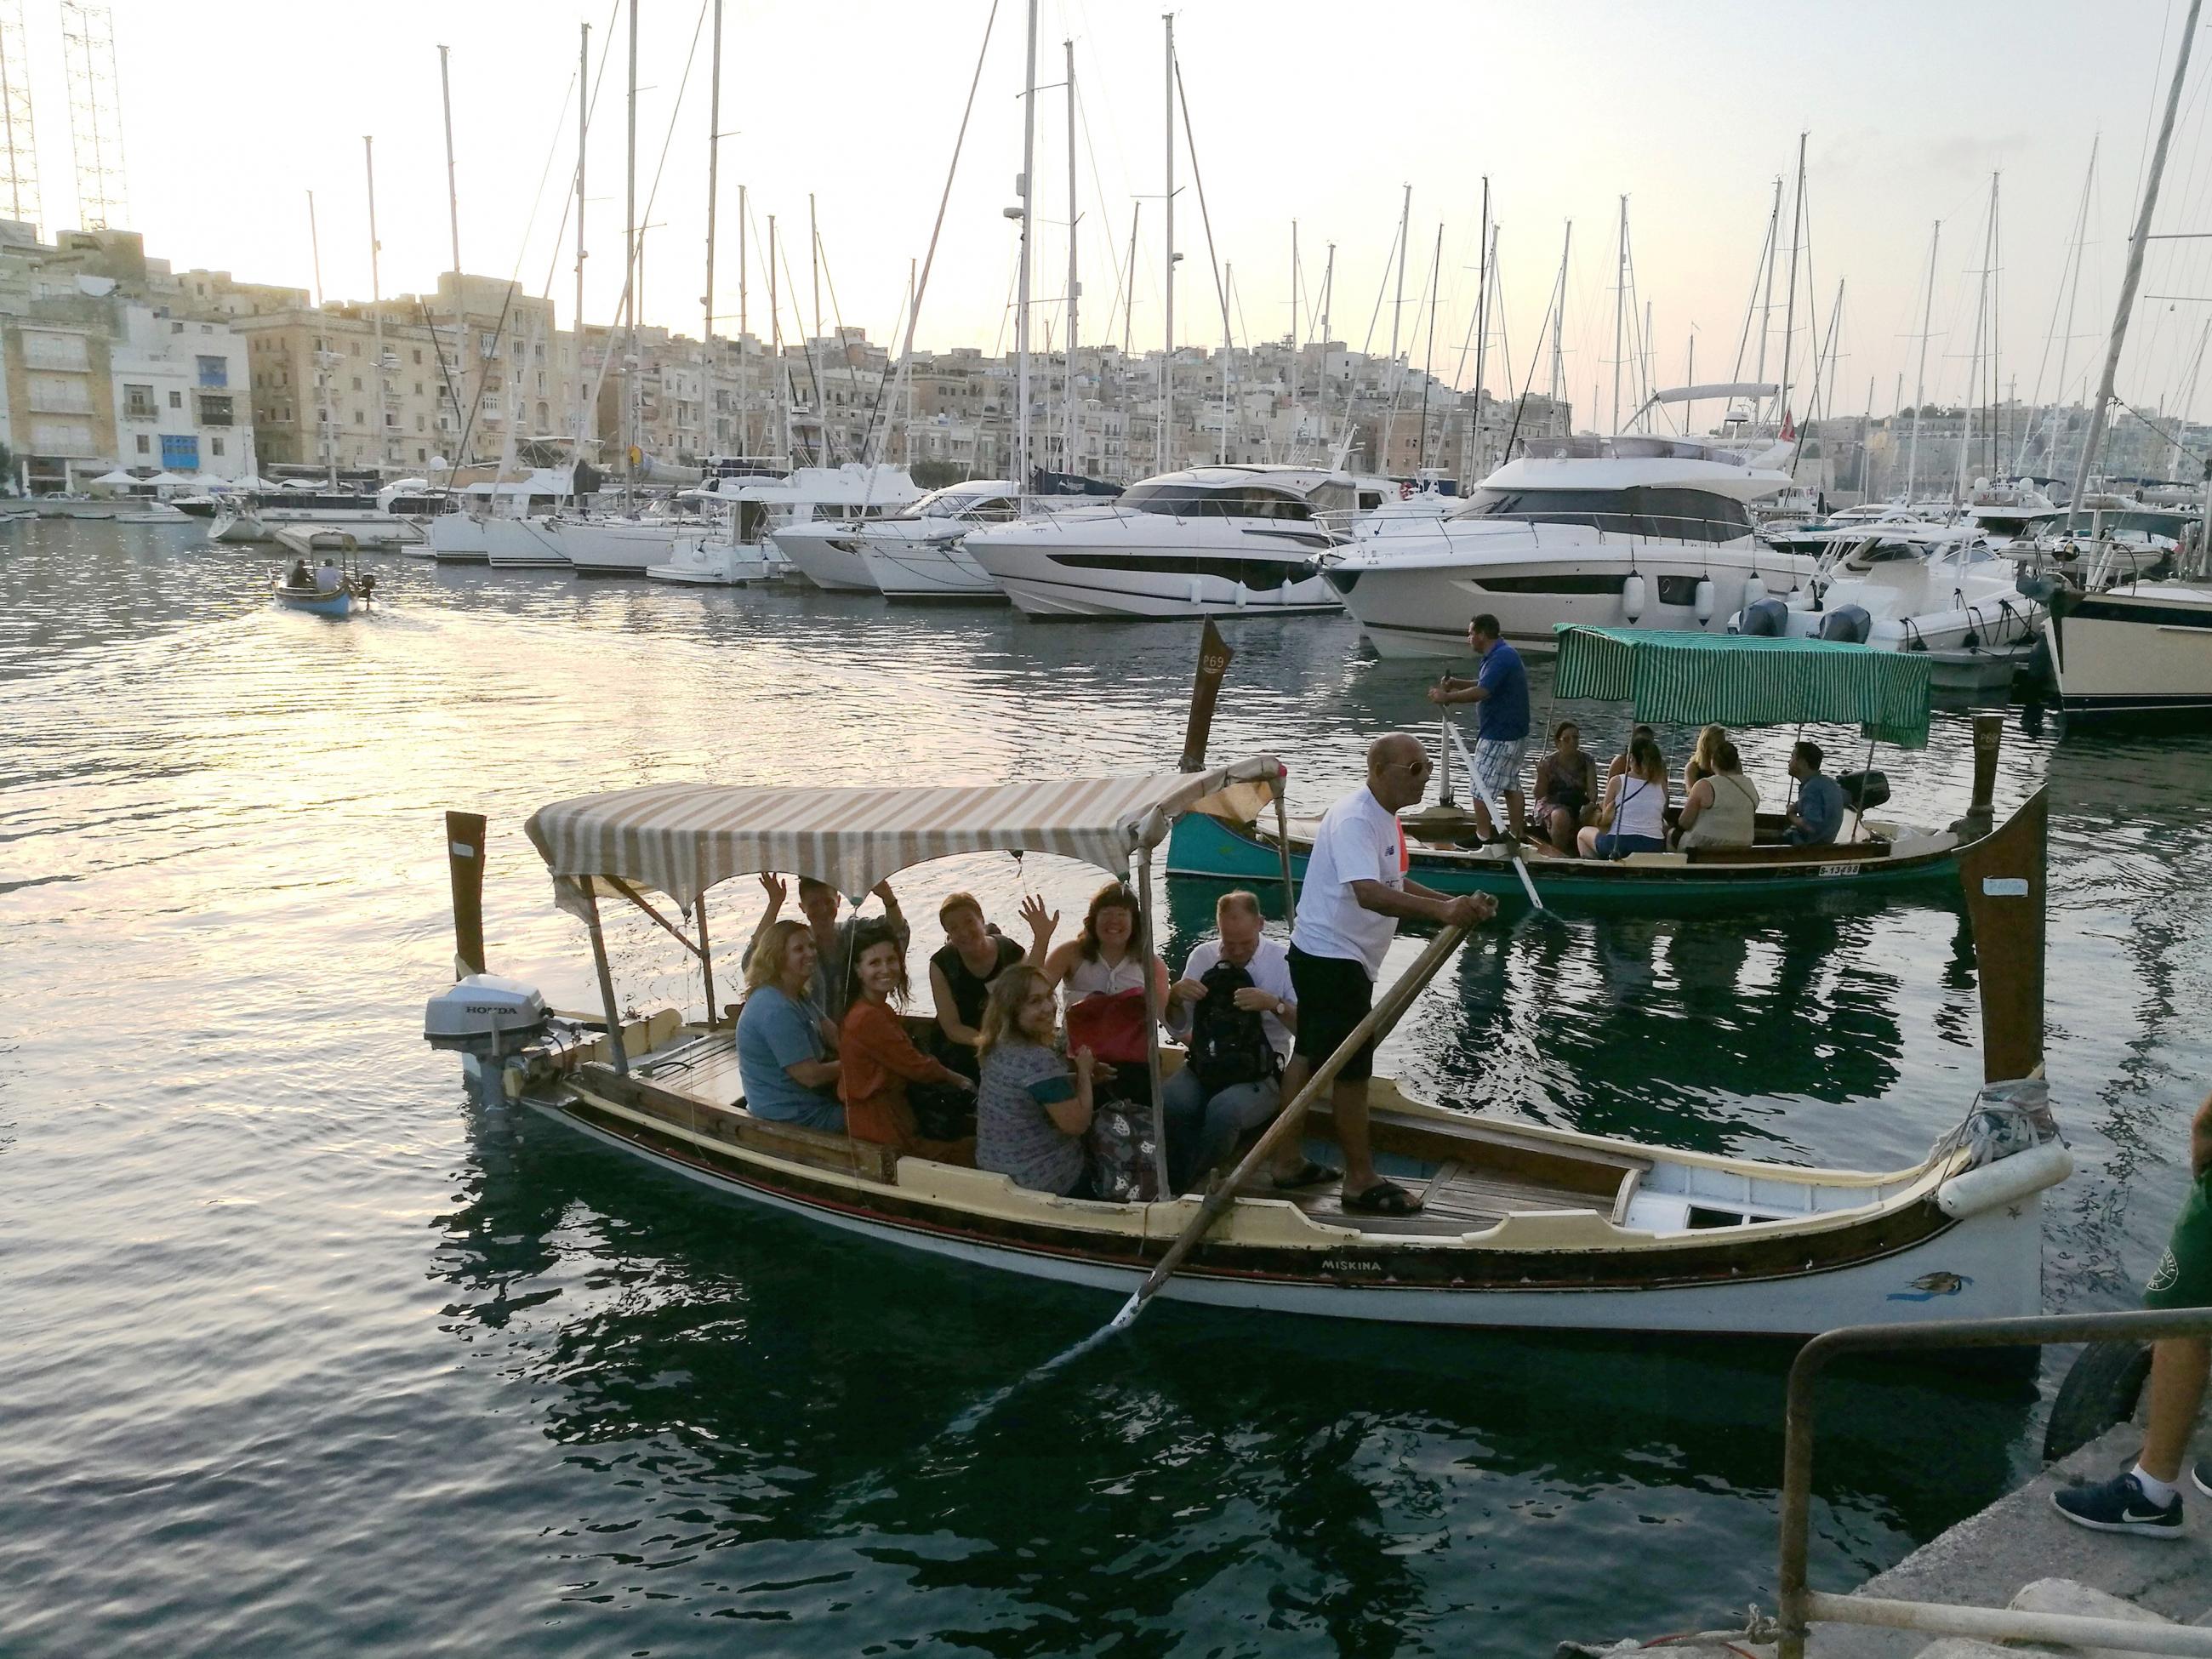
681 839
1734 679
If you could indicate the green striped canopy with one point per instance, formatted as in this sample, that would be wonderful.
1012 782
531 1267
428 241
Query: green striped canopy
1735 679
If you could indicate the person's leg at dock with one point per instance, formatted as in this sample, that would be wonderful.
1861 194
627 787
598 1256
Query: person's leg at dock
2147 1498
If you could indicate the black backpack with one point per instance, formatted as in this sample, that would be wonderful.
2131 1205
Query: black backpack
1228 1044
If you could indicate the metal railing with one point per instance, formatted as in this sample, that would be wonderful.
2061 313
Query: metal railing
1802 1605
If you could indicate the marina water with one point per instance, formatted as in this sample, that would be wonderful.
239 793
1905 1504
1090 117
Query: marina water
304 1353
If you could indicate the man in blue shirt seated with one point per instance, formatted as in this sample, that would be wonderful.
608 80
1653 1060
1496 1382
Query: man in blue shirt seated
1819 815
1501 687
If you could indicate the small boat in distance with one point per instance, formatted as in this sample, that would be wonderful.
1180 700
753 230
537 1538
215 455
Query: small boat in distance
328 589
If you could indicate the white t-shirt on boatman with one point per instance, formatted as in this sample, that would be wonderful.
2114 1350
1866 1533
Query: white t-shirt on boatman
1359 840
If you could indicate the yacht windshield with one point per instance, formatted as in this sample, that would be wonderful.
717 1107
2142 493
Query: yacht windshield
1678 515
1190 501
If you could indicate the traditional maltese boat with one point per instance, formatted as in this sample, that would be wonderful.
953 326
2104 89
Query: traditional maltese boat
1520 1226
1686 680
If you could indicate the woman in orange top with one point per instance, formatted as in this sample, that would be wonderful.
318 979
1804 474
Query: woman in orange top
879 1059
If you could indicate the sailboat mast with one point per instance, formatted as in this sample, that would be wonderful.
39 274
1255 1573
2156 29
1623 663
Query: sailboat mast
1790 307
1976 362
714 161
2133 276
376 304
2073 293
1294 313
629 267
1129 288
1429 356
813 335
744 377
776 350
583 133
452 191
1766 304
1481 332
1619 308
1074 287
315 249
1022 480
1996 316
1920 375
1167 337
1560 323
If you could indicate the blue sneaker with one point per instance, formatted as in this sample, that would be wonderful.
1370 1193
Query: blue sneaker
2119 1505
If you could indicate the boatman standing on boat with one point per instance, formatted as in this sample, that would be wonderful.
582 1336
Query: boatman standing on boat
1355 890
1502 733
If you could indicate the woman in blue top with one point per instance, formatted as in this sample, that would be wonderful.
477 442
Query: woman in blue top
782 1039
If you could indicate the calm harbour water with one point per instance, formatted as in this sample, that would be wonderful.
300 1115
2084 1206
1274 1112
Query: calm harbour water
305 1354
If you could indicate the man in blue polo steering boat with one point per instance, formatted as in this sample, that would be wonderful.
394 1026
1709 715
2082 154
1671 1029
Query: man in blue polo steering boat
1501 743
1355 892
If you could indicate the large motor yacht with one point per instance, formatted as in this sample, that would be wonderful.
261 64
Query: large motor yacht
754 510
1211 541
1632 532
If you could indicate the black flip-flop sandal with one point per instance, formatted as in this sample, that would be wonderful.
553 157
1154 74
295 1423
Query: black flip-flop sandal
1309 1174
1384 1198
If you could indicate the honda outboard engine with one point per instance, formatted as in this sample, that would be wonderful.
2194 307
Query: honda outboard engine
485 1015
1766 619
1847 624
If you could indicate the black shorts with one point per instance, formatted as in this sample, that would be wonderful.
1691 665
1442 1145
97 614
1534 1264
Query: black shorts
1334 995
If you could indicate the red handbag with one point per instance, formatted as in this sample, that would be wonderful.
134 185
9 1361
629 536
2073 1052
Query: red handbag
1111 1024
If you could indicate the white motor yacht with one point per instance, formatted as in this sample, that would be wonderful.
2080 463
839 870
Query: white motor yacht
1211 541
818 506
1632 532
1937 589
918 554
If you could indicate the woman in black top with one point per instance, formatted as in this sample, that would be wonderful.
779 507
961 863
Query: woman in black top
961 973
1566 788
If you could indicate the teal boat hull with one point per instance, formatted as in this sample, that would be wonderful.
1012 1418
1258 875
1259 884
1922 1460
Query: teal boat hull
1212 849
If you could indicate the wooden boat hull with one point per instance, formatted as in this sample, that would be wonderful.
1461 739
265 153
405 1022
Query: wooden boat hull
339 604
1897 1255
1215 849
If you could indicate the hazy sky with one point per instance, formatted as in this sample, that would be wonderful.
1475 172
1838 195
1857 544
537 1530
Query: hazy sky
1313 111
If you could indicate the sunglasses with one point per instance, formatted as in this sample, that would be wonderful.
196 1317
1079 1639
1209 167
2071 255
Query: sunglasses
1416 766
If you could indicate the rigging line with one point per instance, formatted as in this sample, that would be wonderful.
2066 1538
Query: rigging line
1366 345
929 256
1521 402
1751 305
821 411
1113 253
2170 437
598 78
675 110
1190 149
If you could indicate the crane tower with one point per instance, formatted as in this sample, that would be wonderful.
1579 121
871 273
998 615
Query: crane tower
19 150
96 115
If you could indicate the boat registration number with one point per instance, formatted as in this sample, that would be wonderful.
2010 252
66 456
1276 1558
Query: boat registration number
1840 869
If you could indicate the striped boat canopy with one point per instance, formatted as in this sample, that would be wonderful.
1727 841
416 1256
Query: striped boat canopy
1735 679
681 839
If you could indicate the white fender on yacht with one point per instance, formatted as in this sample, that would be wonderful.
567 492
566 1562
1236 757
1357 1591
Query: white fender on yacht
1704 600
1754 590
2007 1179
1632 596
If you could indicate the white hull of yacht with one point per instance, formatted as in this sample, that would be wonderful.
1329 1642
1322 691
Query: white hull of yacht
927 570
1151 565
716 564
2139 653
827 555
523 544
456 538
1965 614
1534 577
616 547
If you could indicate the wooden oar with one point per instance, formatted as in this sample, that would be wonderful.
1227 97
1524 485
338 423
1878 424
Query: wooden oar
1380 1018
1512 842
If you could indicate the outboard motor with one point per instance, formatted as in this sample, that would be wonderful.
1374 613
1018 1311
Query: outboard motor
1848 624
1768 619
486 1016
1864 791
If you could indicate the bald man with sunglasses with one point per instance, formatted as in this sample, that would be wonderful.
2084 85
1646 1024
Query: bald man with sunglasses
1355 890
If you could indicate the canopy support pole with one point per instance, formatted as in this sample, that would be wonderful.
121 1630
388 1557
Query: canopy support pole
1153 1014
1283 848
706 958
606 979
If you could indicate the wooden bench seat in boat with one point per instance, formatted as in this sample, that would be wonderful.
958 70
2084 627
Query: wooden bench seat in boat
723 1119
